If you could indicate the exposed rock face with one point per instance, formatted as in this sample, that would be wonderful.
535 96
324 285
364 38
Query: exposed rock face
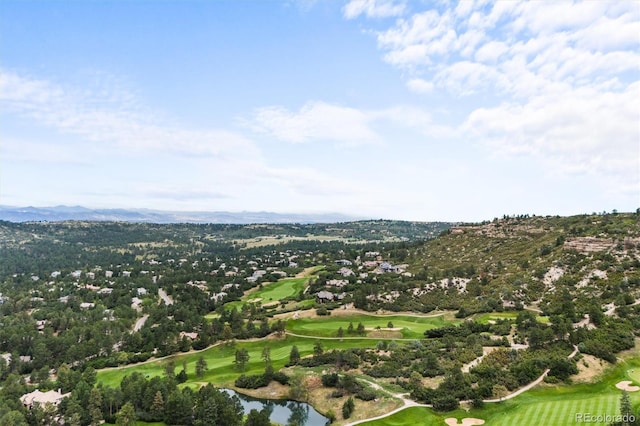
589 244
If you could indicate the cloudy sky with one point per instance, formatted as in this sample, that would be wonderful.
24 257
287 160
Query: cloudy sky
387 109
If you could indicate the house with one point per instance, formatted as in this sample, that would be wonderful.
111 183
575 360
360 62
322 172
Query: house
337 283
190 336
126 274
345 272
324 296
387 267
76 274
141 291
108 274
87 305
343 262
42 398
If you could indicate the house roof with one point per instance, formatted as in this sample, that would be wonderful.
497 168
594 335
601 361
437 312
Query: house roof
42 398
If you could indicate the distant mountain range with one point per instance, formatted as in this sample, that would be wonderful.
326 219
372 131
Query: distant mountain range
62 213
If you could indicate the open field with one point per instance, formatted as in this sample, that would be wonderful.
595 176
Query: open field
409 327
545 405
220 359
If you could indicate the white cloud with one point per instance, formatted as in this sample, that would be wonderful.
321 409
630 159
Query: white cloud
110 121
346 126
584 131
490 52
373 8
419 85
316 121
558 80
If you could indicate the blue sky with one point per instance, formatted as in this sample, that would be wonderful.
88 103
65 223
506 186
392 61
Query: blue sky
386 109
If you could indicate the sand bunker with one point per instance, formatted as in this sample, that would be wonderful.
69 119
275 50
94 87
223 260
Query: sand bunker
468 421
627 386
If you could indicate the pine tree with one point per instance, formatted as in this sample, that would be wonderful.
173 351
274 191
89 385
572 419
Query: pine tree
201 367
294 356
626 411
95 407
157 406
126 416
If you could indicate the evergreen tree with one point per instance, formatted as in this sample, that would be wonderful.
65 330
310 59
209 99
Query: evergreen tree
157 407
347 408
126 416
294 355
201 367
242 358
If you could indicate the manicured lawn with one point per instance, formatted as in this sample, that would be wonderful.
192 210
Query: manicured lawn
221 369
484 318
279 290
411 327
546 405
634 374
412 416
273 292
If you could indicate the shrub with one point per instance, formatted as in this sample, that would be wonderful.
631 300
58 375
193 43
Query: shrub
366 395
445 403
322 311
338 393
281 378
347 408
252 381
330 380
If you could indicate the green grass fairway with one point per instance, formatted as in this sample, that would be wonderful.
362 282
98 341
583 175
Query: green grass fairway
550 406
412 327
634 374
273 292
220 359
279 290
484 318
412 416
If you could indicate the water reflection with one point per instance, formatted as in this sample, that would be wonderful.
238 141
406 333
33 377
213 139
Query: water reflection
290 413
299 414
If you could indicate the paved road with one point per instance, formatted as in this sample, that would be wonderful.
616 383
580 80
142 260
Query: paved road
164 296
138 325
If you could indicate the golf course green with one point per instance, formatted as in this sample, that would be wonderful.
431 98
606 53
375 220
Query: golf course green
410 327
220 359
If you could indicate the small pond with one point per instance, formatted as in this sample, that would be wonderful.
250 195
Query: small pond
283 412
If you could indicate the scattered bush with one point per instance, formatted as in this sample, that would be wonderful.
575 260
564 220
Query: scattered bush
366 395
